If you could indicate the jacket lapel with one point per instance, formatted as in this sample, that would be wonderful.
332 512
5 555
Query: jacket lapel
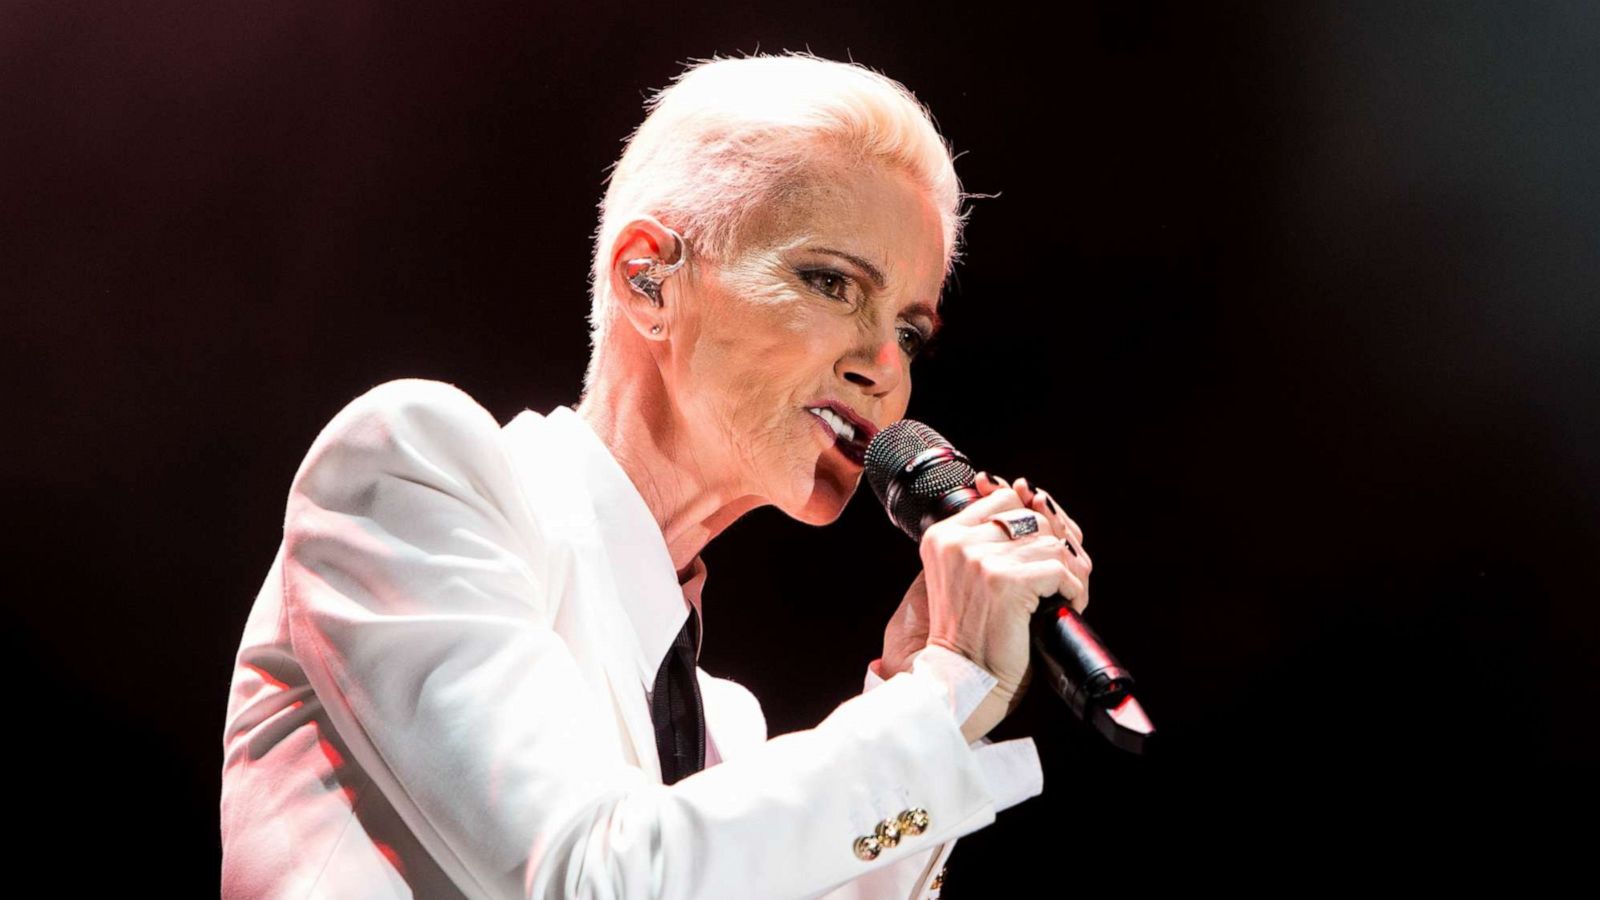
596 628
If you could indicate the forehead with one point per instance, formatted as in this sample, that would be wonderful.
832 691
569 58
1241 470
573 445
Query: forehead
871 212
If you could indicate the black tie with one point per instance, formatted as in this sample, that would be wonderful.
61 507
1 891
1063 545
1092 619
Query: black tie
675 706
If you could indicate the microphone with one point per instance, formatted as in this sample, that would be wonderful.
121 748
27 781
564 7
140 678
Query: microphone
920 479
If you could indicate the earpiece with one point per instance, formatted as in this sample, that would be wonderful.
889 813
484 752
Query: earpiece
647 273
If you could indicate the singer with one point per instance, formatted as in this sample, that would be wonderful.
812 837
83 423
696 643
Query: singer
472 668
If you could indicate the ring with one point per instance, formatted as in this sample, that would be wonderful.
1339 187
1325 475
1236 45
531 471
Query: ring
1017 524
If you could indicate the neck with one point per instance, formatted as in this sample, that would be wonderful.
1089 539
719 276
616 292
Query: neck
692 502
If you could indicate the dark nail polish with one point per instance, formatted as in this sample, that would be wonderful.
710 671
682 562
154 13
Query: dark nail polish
1072 548
1048 502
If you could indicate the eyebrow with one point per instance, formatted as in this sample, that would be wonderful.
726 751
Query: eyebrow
876 274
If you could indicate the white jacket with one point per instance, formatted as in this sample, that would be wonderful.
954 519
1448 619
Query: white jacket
441 691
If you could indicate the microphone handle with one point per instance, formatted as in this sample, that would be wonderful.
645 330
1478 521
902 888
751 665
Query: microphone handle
1083 672
1079 668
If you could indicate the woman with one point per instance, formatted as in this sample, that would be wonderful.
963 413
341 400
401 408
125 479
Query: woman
471 670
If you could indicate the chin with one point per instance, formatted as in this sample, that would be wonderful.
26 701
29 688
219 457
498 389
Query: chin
828 498
817 514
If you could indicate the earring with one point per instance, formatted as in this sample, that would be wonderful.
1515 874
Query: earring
656 328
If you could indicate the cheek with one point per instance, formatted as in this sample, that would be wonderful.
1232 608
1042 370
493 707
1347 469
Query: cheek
763 350
777 341
746 353
744 376
781 363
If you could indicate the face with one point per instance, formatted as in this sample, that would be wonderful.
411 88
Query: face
792 322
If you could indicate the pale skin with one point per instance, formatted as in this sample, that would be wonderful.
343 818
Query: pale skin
708 417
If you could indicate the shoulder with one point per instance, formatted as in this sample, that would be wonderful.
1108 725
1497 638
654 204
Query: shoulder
411 482
411 428
409 409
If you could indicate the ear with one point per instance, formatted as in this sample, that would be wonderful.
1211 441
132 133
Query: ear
643 237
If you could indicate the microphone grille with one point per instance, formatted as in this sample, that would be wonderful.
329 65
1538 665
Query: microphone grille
909 493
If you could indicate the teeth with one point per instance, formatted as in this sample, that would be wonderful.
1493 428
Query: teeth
840 426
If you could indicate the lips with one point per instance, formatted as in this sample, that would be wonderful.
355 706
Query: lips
853 450
864 428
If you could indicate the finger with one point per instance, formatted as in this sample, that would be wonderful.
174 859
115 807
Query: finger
999 531
1078 564
1047 577
1024 490
985 484
1036 498
1070 527
1073 589
1059 522
1043 545
998 500
1079 567
1085 561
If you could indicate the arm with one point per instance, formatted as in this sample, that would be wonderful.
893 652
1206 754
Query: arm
418 605
1010 768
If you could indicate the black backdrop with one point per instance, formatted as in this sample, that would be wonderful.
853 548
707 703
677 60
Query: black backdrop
1293 306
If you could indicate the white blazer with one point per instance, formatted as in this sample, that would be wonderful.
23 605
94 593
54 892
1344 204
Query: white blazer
442 691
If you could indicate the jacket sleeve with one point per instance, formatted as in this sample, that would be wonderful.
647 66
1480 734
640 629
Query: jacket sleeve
417 606
1010 768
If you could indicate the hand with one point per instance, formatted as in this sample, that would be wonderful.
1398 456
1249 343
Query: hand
983 588
1060 523
907 631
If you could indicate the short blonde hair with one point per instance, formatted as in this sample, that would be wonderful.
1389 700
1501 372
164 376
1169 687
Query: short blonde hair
731 135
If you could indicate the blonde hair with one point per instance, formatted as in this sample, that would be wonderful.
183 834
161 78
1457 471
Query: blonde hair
730 136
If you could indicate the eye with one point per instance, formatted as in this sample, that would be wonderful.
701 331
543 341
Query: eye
818 277
919 341
913 340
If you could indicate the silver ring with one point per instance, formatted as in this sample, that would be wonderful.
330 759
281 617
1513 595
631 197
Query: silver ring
1017 524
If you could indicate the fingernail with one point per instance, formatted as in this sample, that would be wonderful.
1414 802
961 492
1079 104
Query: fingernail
1048 502
1070 547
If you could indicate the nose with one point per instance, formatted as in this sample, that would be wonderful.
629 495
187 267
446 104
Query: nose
875 364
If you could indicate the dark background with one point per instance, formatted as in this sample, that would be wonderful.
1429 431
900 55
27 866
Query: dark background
1292 306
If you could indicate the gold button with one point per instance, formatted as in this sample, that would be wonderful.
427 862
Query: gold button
868 847
938 880
888 833
914 821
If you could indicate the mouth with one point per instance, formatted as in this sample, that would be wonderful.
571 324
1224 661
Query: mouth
849 434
